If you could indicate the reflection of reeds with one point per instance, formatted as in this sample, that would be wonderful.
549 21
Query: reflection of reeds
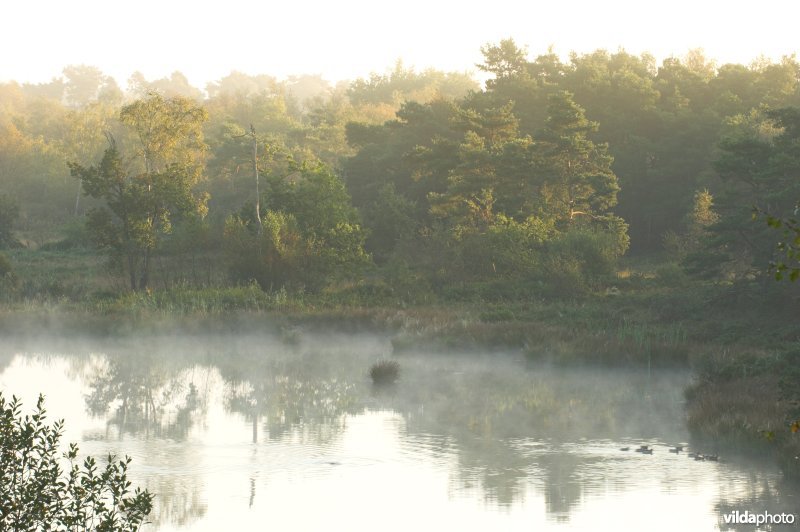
385 372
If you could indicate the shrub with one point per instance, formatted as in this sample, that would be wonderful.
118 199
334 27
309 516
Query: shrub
385 372
596 252
563 277
505 249
671 274
278 256
283 255
37 494
75 235
9 211
6 270
8 279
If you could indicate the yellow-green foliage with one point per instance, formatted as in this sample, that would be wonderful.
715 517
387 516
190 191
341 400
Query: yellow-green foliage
216 301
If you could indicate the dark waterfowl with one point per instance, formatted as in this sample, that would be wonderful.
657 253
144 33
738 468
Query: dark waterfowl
647 451
675 450
624 448
712 457
699 457
644 449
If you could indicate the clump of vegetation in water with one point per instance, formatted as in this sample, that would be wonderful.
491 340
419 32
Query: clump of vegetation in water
37 494
385 372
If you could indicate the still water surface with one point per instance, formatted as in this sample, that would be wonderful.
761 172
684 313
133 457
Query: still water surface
257 432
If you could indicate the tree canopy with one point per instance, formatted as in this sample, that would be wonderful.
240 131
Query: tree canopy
143 198
607 146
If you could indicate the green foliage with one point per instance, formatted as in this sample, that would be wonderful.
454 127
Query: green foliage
141 207
580 181
29 165
489 195
403 84
727 365
9 211
194 302
789 247
6 270
760 166
506 249
392 220
314 195
504 60
274 257
9 281
596 251
787 162
671 274
38 494
698 224
446 177
168 132
308 236
75 235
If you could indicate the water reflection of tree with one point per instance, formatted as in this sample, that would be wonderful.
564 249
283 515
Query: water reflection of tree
179 502
757 494
144 394
501 427
563 488
305 396
6 356
492 466
565 406
482 410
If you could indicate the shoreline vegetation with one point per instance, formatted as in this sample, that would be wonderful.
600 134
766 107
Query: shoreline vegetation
603 210
744 354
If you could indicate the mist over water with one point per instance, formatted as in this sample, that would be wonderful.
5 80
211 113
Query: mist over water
287 431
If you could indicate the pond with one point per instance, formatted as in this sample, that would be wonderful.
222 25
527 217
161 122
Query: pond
287 432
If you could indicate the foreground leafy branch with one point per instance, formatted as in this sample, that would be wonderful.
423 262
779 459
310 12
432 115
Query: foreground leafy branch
790 246
37 494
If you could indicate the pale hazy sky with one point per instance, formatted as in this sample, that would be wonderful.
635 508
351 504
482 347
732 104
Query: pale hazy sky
345 39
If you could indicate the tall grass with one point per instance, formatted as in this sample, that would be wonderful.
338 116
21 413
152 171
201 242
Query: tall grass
646 335
200 301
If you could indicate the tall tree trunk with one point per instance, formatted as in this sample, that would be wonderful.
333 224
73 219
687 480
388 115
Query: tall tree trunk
145 279
255 171
78 196
132 269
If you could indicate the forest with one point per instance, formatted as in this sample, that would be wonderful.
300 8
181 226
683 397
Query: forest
603 209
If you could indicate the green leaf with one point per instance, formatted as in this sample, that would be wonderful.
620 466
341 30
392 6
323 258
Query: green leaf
774 222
